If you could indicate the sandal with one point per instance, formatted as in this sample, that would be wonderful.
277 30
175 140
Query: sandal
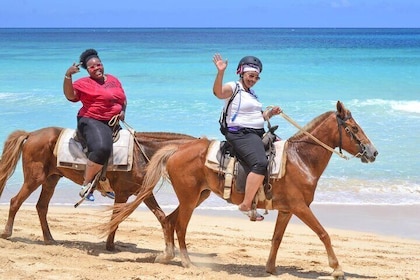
253 215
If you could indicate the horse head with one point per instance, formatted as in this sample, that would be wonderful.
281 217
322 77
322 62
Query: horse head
352 137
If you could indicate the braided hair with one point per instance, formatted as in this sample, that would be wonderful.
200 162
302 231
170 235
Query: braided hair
86 55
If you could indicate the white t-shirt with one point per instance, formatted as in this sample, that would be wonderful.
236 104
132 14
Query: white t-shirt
244 110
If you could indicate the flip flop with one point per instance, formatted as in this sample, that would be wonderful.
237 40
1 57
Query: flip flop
253 215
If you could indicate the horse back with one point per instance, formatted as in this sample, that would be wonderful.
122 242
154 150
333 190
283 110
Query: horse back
193 151
40 143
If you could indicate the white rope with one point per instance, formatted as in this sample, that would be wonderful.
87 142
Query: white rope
290 120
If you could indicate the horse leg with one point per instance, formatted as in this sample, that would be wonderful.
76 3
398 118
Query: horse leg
282 221
42 207
185 213
168 232
182 224
168 227
167 224
16 203
304 213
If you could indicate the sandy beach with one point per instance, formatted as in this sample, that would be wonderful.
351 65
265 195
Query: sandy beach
221 247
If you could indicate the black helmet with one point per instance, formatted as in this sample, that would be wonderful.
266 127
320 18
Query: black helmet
251 61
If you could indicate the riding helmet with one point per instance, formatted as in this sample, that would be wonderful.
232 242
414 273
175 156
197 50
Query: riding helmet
251 61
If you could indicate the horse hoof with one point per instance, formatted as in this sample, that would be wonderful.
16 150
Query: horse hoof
5 235
187 264
271 269
338 275
50 242
162 258
110 249
330 278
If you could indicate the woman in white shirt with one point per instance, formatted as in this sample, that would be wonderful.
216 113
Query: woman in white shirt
245 122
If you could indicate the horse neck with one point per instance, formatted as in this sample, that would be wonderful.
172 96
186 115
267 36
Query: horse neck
311 153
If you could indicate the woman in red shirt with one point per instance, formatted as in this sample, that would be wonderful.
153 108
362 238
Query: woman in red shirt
102 98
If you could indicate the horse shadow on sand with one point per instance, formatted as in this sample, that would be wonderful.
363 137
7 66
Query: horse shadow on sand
247 270
146 255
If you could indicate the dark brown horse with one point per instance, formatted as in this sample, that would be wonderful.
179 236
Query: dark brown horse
40 168
192 181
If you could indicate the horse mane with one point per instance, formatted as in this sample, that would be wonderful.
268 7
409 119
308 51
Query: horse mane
311 125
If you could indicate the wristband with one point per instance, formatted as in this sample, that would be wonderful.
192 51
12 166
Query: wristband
67 77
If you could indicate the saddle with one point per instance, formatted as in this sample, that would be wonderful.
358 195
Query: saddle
70 151
222 159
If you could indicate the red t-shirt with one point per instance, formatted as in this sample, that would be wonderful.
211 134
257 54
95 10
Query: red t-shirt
100 102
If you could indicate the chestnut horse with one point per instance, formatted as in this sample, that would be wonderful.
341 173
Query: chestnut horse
40 168
306 160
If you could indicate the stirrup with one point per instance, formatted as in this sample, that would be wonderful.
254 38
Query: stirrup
85 190
90 197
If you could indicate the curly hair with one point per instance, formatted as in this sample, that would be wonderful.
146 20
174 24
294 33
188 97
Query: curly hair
86 55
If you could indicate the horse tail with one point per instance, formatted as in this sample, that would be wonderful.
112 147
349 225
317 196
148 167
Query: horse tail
12 151
156 169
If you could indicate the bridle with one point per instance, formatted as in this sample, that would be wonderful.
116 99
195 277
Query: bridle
342 123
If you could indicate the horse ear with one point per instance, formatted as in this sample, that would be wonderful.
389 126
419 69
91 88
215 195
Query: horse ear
341 111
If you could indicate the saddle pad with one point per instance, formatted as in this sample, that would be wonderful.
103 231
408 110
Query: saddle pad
70 153
280 159
211 158
279 166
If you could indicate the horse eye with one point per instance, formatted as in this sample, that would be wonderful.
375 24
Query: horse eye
355 129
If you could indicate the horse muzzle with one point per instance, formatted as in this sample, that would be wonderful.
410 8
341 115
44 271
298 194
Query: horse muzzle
368 153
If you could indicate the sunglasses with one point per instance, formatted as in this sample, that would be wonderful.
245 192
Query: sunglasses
253 76
94 66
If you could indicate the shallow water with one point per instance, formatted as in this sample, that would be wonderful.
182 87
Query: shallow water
168 76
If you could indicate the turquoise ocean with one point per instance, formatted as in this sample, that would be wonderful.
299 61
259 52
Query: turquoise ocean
168 75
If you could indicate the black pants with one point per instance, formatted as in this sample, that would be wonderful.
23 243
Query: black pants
98 138
249 148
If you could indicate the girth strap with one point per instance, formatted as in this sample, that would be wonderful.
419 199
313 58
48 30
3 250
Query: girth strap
229 178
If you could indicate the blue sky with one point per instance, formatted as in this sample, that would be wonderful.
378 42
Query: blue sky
214 13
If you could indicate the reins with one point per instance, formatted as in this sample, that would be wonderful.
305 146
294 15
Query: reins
290 120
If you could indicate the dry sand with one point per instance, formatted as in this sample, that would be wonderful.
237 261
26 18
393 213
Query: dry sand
220 247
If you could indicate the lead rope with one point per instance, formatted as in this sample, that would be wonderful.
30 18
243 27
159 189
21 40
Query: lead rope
290 120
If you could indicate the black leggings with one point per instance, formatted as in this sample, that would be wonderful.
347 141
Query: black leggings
98 138
249 148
